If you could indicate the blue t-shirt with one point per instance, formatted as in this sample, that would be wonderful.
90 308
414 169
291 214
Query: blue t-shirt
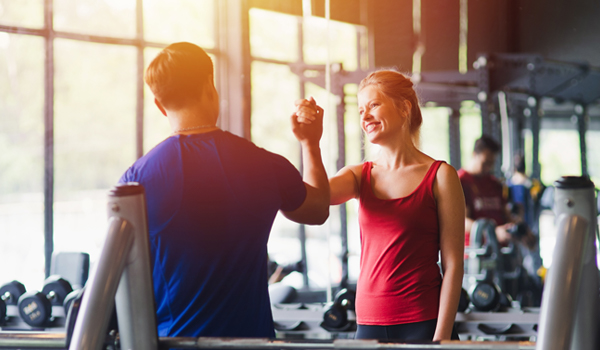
211 200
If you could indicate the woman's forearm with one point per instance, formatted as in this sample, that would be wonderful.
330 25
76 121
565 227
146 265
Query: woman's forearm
449 298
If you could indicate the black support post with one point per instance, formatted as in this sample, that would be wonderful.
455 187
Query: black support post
534 116
341 162
483 97
48 137
454 140
580 113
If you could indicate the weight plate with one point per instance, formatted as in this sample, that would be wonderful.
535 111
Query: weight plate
57 288
35 309
485 296
11 292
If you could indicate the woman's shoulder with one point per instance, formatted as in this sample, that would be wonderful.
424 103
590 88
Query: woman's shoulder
446 172
447 180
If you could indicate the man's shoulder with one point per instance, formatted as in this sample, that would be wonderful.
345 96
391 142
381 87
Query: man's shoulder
253 150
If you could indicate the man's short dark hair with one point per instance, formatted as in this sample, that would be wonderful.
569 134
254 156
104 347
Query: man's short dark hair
486 142
178 74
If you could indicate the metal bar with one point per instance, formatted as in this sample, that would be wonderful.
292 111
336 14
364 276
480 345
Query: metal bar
45 340
483 82
134 297
139 110
535 132
21 30
235 35
340 163
293 65
580 113
258 343
576 196
302 227
505 135
48 137
57 341
85 37
562 284
454 139
98 300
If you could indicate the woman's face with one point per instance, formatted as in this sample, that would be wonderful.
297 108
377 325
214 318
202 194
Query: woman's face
379 118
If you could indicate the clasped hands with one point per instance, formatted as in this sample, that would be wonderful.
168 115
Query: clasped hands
307 121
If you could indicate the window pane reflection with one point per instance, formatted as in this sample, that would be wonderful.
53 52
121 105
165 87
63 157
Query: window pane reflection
22 159
182 20
435 133
470 129
95 88
114 18
274 90
273 35
559 154
24 13
341 45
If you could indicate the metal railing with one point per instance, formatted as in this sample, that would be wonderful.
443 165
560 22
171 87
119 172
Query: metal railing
123 277
12 340
569 316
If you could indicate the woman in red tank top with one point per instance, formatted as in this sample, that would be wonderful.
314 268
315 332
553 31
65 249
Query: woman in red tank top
411 209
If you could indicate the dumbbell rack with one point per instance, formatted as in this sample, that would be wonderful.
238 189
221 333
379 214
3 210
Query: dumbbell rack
512 324
15 323
123 277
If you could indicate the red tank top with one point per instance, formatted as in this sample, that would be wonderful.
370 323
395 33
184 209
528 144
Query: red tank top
399 280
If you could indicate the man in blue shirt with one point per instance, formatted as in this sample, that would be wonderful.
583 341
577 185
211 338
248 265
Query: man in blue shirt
212 198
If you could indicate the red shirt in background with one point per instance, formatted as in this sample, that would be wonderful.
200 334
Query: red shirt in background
484 197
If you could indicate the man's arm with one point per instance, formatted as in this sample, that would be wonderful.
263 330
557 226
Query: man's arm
307 125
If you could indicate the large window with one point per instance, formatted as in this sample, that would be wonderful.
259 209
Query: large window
21 157
283 60
97 123
470 129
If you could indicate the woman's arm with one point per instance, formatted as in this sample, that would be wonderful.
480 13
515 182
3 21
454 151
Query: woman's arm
307 126
451 216
345 184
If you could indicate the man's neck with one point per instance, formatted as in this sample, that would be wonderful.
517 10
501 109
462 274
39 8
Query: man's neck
195 118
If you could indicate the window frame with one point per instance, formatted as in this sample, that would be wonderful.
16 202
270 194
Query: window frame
48 34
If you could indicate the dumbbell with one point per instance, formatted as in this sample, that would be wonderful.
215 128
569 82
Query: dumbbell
9 295
519 230
35 308
487 296
70 298
463 303
72 304
336 317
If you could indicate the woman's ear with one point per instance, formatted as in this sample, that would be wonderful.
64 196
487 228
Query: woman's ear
407 106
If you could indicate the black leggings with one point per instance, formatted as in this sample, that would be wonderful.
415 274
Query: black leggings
417 331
